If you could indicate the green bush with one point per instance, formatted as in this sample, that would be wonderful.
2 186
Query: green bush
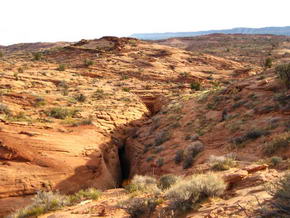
61 67
88 62
1 54
99 94
274 161
188 193
268 63
283 72
195 86
61 113
80 97
166 181
37 56
39 101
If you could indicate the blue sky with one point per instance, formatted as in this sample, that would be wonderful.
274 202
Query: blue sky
72 20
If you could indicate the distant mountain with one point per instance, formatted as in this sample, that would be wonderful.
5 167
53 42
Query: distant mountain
266 30
31 47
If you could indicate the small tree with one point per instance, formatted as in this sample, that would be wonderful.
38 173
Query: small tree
283 72
268 62
37 56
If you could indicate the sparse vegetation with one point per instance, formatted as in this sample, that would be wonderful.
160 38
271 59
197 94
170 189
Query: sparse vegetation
45 202
280 191
279 142
250 135
61 113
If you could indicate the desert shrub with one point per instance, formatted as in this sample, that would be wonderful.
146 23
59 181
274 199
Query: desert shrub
90 193
195 86
99 94
4 109
188 193
280 191
63 84
1 54
160 162
222 162
137 207
191 152
162 137
43 202
268 62
39 101
20 70
179 156
166 181
250 135
278 142
283 72
88 62
126 89
275 160
61 113
87 121
143 184
18 117
61 67
37 56
80 97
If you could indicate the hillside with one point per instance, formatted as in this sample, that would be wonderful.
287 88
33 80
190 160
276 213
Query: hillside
97 113
65 111
266 30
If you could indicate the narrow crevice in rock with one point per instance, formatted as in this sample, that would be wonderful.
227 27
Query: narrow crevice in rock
124 164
